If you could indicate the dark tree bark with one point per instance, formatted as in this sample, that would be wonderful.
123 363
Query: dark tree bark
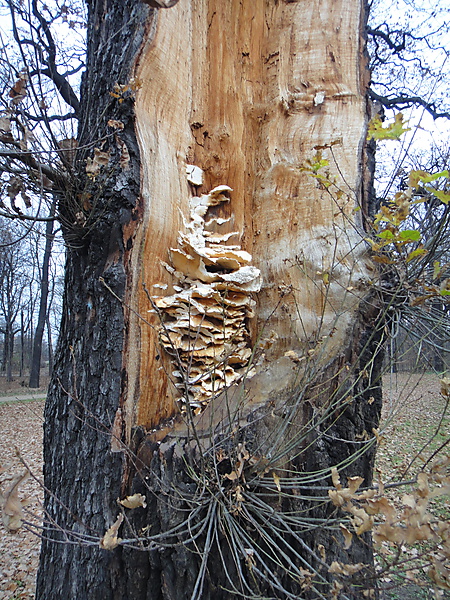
111 424
81 473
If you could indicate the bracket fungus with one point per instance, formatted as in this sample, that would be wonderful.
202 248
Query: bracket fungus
204 325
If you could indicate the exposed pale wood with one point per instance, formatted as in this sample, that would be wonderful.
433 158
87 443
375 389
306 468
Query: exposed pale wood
246 90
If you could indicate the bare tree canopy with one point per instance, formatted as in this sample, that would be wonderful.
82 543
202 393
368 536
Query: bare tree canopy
410 55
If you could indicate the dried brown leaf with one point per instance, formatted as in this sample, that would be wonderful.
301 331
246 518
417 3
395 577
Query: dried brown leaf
321 549
68 148
276 480
12 506
5 124
354 483
381 505
336 497
110 540
338 568
361 521
19 89
15 186
93 165
124 159
115 124
348 536
134 501
335 478
445 386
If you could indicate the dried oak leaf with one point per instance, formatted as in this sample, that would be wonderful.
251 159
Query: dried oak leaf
19 89
348 536
339 568
115 124
12 513
110 540
15 186
445 386
5 124
68 148
134 501
124 154
93 165
439 573
361 521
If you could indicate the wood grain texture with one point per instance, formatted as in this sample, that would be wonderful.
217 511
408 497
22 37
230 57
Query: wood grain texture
246 90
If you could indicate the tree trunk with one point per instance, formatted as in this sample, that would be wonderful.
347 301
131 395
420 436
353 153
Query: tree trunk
219 355
9 352
22 343
50 345
3 364
43 302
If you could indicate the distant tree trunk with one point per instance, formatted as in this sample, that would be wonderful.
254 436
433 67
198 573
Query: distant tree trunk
31 330
22 343
36 356
3 369
249 92
9 342
50 345
438 338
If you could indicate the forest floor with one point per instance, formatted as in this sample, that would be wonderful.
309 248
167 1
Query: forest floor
20 435
19 387
413 415
415 425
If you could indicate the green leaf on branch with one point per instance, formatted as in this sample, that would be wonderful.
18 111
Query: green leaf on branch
416 253
392 131
416 177
409 235
445 287
437 269
443 196
314 164
386 234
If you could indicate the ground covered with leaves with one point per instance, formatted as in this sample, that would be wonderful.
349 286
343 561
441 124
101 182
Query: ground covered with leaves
415 427
20 439
414 435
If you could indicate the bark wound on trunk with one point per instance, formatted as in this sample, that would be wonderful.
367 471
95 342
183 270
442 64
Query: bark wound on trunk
247 91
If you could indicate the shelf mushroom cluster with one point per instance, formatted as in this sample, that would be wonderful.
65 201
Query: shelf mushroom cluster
204 323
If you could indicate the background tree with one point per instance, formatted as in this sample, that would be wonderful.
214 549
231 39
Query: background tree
408 45
15 272
424 329
44 286
36 128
